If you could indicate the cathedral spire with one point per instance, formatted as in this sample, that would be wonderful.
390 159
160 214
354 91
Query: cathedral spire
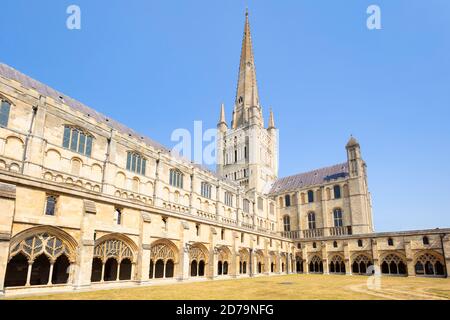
271 121
247 91
222 114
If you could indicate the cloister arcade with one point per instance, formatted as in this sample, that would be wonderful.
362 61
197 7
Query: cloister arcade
47 256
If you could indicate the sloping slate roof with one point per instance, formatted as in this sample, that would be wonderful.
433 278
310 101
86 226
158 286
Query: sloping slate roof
311 178
29 83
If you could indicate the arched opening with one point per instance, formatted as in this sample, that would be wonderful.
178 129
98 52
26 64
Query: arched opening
219 268
194 268
430 265
361 264
282 267
61 270
225 268
159 269
97 265
16 271
125 270
40 271
259 267
201 268
152 265
110 270
316 265
272 267
244 267
170 267
240 266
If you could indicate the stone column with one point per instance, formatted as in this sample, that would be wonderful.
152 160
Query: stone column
348 267
324 257
183 270
409 258
7 209
143 267
375 256
4 253
50 273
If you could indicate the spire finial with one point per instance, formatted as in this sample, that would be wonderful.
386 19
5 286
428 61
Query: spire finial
271 120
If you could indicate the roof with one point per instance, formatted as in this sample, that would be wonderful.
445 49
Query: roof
44 90
310 178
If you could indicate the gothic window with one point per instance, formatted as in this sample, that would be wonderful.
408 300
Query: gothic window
242 238
115 258
335 244
337 265
287 223
428 264
136 163
337 192
393 264
206 190
311 220
310 196
77 140
314 245
246 205
337 215
5 108
287 200
198 258
390 242
31 260
316 265
162 261
426 240
50 206
197 229
176 178
360 243
361 264
228 199
222 234
118 216
164 223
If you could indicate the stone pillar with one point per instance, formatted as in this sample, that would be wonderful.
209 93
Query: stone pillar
50 273
409 258
4 253
7 208
348 267
324 257
143 266
184 267
83 268
375 256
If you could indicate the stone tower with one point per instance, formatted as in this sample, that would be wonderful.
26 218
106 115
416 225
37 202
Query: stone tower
247 151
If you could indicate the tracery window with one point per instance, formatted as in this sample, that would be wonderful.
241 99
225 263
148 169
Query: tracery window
311 220
337 265
197 258
428 264
337 191
162 261
287 223
176 178
246 206
393 264
206 190
337 217
316 265
77 140
361 264
228 199
136 163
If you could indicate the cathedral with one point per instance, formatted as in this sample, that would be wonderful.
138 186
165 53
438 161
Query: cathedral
87 203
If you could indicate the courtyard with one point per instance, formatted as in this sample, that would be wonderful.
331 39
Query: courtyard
286 287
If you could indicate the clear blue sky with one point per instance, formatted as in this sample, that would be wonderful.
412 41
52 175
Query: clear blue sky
160 65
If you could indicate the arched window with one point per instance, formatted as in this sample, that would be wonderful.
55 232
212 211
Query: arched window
228 199
287 200
77 140
136 163
176 178
390 242
118 216
162 258
337 191
311 220
337 265
426 240
428 264
5 108
337 215
206 190
360 243
246 206
50 206
360 264
393 264
287 223
310 196
314 245
316 265
335 244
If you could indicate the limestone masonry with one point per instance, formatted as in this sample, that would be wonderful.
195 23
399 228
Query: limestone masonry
88 203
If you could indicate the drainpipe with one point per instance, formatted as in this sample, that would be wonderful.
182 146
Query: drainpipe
30 131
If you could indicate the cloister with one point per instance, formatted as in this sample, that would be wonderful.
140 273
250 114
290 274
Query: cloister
46 256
